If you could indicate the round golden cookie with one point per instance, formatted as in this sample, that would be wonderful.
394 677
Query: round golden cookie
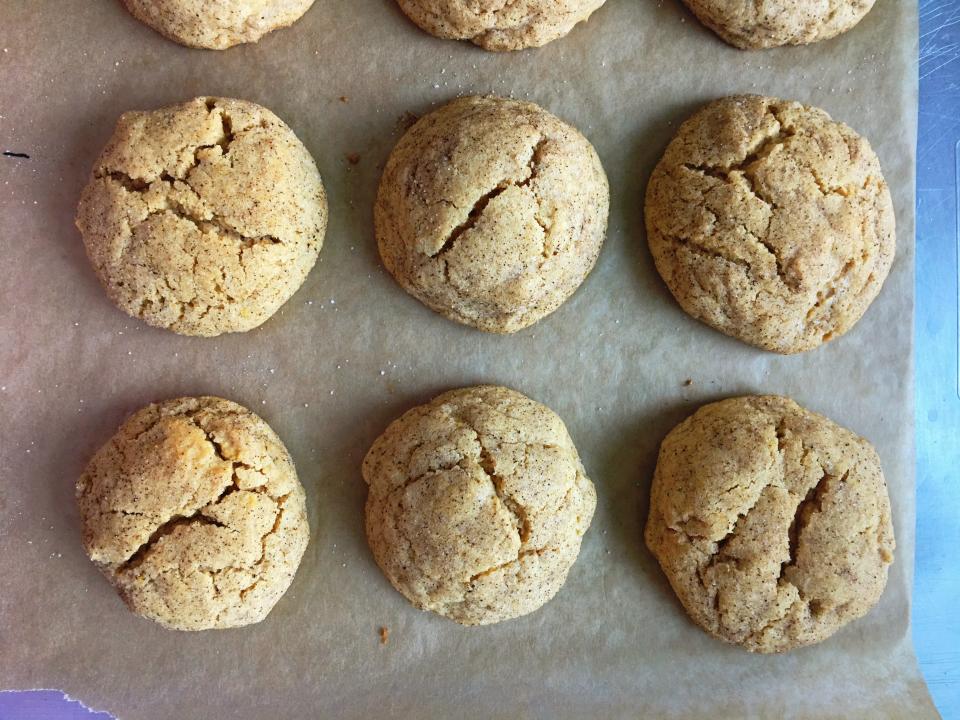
771 523
217 24
772 23
194 512
477 504
498 25
204 217
492 212
771 222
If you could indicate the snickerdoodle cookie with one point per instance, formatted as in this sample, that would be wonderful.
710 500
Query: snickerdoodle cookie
203 217
217 24
771 23
194 512
497 24
772 523
771 222
477 504
492 212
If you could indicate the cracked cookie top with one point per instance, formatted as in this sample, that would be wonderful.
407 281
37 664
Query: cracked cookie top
194 512
499 25
216 25
771 523
771 222
771 23
203 217
477 504
492 212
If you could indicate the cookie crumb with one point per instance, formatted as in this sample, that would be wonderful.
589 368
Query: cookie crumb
344 99
384 635
688 382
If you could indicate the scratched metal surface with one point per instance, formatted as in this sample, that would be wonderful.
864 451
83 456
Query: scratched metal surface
936 620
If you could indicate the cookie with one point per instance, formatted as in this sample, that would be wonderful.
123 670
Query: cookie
477 504
771 523
194 512
771 23
492 212
771 222
497 25
204 217
219 24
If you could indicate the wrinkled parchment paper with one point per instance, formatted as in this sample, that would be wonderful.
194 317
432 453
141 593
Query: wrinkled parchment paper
351 351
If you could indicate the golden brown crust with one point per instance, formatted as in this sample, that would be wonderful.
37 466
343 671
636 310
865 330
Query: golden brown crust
194 512
771 222
772 523
477 504
203 217
217 25
491 212
500 25
771 23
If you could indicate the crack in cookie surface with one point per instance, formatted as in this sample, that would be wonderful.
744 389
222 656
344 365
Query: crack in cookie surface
166 187
480 204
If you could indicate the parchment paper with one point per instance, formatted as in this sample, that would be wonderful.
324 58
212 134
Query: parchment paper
351 351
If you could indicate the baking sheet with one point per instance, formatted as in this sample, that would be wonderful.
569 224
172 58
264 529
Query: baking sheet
351 351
